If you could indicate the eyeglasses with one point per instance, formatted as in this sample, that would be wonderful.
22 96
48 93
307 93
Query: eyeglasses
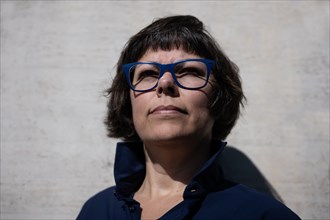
188 74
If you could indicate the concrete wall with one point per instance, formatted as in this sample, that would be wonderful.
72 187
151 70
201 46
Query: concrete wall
58 56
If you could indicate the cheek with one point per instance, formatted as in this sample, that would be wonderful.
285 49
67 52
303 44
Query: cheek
200 109
139 106
198 101
202 114
135 107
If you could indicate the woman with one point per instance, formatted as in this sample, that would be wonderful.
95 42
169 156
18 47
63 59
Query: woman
174 98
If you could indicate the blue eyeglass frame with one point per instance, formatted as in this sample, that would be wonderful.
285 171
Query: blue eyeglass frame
169 67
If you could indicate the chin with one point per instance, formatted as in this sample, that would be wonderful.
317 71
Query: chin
168 137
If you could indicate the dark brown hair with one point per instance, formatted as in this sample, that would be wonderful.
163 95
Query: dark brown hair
187 33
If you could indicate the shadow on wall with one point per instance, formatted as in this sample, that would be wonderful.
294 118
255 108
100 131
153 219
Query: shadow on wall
238 168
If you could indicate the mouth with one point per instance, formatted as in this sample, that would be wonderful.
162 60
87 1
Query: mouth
169 109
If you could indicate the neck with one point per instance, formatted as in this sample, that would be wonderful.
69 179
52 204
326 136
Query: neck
170 167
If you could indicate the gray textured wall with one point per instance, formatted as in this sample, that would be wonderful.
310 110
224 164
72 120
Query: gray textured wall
58 56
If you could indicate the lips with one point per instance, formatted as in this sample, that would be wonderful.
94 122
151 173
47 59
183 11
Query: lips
167 109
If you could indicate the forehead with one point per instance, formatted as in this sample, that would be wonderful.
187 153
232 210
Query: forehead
167 56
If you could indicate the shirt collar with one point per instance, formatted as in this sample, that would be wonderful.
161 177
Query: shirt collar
129 170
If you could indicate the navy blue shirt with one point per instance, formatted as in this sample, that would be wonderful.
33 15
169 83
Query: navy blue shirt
208 196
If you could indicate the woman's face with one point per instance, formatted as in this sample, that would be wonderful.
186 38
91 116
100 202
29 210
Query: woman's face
170 113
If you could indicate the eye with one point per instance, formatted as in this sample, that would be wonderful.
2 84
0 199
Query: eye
191 71
146 74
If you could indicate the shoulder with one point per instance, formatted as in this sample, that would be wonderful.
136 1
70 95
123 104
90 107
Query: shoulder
98 205
242 202
105 196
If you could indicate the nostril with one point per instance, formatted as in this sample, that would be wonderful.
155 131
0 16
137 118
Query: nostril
171 90
159 90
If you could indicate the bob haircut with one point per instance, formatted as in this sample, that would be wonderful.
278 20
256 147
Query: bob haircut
176 32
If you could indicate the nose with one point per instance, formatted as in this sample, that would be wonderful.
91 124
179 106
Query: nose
167 86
